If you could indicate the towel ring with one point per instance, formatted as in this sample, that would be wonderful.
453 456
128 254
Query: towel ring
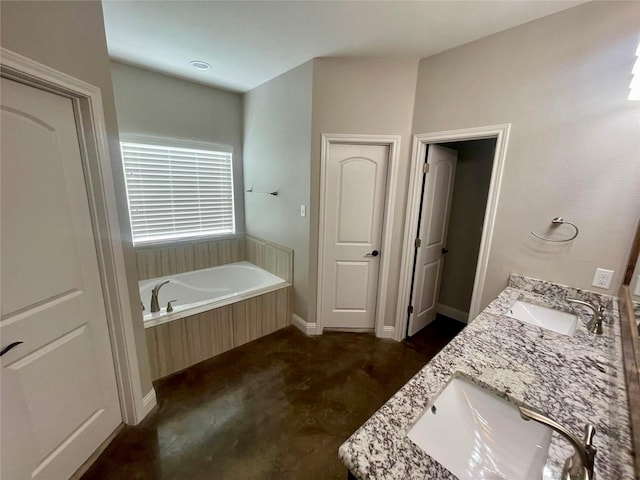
557 221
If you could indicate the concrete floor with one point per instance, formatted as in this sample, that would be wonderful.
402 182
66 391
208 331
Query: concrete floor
276 408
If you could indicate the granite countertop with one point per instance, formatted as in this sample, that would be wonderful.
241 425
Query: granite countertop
575 380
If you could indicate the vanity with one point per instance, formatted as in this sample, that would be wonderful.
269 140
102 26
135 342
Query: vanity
470 393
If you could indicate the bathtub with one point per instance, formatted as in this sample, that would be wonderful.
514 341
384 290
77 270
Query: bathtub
201 290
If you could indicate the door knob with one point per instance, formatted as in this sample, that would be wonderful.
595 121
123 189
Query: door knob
445 251
375 253
9 347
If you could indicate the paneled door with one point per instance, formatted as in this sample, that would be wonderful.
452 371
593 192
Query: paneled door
354 209
434 223
59 399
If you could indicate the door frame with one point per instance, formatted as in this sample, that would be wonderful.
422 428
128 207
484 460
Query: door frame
418 157
96 164
393 142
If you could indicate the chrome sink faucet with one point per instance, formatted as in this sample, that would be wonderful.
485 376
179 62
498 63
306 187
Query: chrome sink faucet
155 306
595 324
579 466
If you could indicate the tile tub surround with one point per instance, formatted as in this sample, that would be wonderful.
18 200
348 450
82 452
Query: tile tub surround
576 380
184 342
271 257
181 343
170 259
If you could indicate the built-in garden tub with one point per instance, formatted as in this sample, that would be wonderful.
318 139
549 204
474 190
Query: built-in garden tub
214 310
206 289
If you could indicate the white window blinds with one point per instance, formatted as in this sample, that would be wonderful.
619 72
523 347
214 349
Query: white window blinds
177 193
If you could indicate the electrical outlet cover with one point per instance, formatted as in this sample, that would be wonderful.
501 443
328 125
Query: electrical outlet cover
602 278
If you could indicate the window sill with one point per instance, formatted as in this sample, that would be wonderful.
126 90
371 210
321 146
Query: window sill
188 241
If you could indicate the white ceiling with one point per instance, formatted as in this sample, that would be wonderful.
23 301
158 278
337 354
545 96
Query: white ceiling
249 43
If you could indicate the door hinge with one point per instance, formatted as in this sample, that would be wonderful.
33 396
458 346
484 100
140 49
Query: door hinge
410 309
418 242
425 168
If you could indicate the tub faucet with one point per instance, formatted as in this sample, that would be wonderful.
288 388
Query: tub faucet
579 466
595 324
155 306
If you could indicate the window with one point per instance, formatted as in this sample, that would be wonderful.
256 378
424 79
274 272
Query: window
177 193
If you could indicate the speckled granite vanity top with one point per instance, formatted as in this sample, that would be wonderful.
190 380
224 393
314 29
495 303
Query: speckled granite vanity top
575 380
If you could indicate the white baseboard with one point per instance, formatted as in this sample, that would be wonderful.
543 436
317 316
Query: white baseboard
303 326
388 332
148 402
311 328
454 313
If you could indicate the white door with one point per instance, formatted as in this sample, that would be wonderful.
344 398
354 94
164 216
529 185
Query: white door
354 208
59 398
434 221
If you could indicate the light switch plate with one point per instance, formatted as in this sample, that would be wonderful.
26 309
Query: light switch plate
602 278
303 210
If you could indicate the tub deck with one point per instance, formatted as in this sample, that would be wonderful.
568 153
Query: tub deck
205 289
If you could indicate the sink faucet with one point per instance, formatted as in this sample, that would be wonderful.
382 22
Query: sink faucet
595 324
155 306
579 466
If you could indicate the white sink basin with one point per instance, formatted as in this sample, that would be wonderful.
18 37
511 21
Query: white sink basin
544 317
479 436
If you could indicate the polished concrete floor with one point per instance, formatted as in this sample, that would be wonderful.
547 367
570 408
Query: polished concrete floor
276 408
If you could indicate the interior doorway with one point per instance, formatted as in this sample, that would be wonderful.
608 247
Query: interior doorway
450 223
60 381
354 201
454 189
96 167
357 201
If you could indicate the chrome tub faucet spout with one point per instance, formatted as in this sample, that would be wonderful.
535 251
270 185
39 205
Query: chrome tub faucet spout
155 306
580 466
595 324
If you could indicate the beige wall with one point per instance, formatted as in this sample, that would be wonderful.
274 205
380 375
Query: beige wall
470 190
362 96
562 82
157 105
277 142
69 36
